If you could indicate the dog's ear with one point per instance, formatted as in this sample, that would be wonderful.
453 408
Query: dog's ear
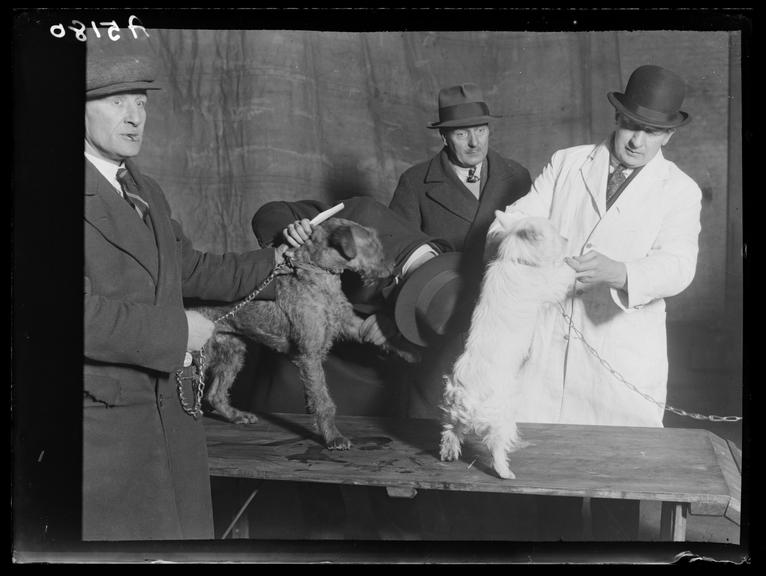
530 234
507 220
342 239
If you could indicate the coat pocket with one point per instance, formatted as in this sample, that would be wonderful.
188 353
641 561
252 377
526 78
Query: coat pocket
99 390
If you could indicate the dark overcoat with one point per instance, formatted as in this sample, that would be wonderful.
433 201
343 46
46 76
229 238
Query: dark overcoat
430 196
145 470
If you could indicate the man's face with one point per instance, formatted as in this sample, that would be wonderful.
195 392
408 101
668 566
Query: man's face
636 144
466 147
114 125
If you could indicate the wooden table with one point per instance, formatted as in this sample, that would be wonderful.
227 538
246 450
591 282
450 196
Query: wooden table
688 470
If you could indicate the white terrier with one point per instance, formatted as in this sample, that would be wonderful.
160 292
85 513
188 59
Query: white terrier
483 392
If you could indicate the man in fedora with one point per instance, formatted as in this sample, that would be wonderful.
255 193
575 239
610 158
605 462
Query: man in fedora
144 472
631 219
454 196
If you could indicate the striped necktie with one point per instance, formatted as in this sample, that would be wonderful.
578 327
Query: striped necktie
616 179
128 193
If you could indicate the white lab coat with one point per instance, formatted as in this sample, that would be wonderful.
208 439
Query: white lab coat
653 228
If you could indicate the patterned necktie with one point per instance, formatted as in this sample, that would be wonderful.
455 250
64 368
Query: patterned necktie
130 197
472 177
616 179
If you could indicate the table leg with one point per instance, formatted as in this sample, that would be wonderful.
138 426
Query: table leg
673 521
240 525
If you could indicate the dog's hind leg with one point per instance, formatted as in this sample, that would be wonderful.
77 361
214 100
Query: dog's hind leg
500 442
319 402
226 358
452 438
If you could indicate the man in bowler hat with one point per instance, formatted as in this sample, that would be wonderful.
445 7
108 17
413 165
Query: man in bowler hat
631 219
145 472
453 196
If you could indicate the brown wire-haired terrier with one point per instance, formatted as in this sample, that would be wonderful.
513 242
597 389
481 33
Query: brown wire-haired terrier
309 314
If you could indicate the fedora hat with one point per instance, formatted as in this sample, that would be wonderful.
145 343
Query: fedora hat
462 105
652 97
428 299
121 65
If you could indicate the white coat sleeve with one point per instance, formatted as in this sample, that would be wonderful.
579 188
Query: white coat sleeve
672 261
537 202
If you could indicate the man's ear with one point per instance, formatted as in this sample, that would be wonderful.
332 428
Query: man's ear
668 136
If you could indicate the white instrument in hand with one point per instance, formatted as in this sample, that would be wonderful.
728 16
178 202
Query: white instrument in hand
329 213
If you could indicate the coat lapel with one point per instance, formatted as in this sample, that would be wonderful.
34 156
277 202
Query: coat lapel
163 234
594 172
638 188
449 191
117 221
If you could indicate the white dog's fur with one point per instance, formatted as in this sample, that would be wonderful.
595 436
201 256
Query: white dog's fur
487 380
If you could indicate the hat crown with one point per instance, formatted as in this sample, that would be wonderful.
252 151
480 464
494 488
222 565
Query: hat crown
427 305
462 105
119 65
460 94
656 89
653 96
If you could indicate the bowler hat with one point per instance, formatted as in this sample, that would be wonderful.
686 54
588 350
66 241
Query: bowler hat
428 299
462 105
121 65
652 97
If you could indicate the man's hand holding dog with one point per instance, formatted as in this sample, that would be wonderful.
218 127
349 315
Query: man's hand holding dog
377 329
594 268
200 330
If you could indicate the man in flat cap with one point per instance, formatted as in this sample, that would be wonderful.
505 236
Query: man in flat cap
454 196
145 469
631 219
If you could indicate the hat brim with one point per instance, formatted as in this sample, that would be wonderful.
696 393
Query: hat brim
615 98
463 123
121 87
405 308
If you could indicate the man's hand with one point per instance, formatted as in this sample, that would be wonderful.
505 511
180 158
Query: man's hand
298 233
200 330
594 268
377 329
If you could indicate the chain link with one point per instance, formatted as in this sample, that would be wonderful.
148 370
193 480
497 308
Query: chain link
199 361
618 376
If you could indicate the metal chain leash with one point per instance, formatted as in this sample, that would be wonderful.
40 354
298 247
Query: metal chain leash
618 376
198 359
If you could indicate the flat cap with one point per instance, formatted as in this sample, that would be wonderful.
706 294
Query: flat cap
119 65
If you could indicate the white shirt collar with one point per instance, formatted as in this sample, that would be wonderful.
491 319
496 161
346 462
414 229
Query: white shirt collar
107 169
462 173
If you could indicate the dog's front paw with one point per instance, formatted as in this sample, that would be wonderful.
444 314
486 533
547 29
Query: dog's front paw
339 443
